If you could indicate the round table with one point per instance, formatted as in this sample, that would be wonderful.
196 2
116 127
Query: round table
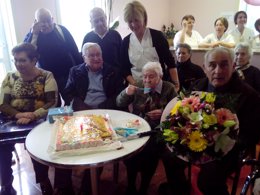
38 140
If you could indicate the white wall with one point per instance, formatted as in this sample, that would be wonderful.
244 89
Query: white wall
159 12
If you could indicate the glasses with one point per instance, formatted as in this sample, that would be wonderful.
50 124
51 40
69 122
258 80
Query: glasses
92 56
20 61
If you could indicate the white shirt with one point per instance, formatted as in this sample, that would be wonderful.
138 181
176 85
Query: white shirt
247 36
141 53
211 38
194 40
256 42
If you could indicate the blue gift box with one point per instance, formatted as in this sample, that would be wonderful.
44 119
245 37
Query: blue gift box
60 111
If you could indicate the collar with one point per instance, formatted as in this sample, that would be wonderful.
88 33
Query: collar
97 72
244 67
101 36
157 89
186 63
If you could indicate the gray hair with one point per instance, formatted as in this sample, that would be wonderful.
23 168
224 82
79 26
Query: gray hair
42 12
221 50
244 45
153 66
88 45
96 10
184 45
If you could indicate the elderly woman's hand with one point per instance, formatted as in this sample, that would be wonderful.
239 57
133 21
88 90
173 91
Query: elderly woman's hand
154 114
28 115
131 89
23 121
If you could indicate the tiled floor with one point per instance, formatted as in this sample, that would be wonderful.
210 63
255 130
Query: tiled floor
24 180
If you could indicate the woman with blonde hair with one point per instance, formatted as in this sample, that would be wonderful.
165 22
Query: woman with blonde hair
144 45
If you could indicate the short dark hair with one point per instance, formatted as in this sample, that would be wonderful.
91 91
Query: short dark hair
257 24
236 15
28 48
184 45
223 20
186 17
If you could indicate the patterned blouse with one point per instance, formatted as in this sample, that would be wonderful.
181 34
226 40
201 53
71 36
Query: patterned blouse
36 95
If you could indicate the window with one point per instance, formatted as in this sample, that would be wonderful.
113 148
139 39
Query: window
7 38
74 15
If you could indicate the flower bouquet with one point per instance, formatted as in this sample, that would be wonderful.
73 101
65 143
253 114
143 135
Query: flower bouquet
197 131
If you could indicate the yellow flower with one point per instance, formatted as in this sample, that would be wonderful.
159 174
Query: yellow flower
176 107
197 142
210 97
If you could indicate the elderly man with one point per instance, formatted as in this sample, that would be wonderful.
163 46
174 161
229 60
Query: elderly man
149 98
187 71
57 48
93 84
108 39
224 81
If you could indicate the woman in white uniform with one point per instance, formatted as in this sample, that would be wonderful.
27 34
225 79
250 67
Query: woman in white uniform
220 38
144 45
256 40
242 33
187 34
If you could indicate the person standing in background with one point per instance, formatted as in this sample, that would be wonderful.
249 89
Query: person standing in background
241 33
144 45
109 40
187 34
256 40
57 48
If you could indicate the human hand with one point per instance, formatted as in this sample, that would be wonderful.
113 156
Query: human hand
36 27
216 44
185 25
154 114
23 121
131 89
28 115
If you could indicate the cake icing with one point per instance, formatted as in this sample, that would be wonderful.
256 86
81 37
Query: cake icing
74 132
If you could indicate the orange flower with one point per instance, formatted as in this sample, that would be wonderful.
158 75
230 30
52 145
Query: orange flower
223 115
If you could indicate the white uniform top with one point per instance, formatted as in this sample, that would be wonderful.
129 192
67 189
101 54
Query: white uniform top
194 40
211 38
247 36
141 53
256 42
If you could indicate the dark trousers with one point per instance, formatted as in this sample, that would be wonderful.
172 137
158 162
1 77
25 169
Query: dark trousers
212 176
145 162
62 178
6 172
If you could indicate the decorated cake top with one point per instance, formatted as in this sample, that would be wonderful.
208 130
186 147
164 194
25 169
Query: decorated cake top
82 129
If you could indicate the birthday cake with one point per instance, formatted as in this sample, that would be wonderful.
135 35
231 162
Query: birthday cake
75 132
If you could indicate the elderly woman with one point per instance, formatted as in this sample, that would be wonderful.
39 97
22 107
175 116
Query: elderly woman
148 104
144 45
241 33
187 34
256 40
220 37
26 95
250 74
